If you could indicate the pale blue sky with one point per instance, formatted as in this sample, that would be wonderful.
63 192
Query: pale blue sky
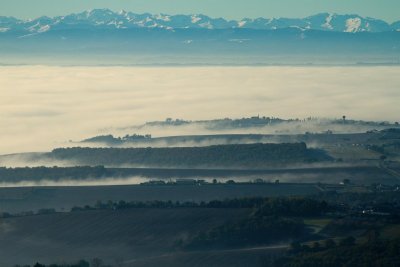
388 10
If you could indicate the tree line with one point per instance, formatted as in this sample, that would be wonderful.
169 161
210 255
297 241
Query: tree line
374 253
239 155
294 206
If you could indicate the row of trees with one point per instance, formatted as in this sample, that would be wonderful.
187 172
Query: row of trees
378 253
294 207
254 230
111 140
52 173
217 156
272 220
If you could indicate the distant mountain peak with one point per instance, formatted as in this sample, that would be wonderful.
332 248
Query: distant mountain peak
108 19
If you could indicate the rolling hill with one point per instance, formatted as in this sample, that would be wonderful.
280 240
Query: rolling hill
137 235
240 155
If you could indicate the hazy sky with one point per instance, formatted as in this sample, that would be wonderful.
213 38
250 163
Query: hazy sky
233 9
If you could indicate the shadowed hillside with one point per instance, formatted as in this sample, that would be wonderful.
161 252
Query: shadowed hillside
126 235
254 155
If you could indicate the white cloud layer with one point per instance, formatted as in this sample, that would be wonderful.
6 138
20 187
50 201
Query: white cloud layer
42 107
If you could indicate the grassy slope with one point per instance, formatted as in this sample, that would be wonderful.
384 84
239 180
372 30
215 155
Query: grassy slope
136 235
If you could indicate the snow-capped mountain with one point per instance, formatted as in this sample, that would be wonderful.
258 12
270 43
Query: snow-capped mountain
107 19
103 36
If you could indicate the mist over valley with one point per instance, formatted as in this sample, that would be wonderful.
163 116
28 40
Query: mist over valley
264 134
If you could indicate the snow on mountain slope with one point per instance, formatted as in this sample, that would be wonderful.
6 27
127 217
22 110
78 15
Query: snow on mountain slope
353 25
107 19
395 26
327 23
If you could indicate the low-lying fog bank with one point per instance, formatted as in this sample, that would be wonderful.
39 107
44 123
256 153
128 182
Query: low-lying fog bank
74 182
44 107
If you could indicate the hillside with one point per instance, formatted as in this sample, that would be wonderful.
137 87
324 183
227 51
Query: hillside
99 175
241 155
359 133
326 230
26 199
122 234
118 236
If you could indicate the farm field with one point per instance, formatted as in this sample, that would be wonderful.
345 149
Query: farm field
24 199
118 236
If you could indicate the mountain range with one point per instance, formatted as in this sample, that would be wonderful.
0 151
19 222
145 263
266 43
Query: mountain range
107 19
106 37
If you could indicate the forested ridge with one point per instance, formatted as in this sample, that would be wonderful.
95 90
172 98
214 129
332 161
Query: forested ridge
254 155
11 175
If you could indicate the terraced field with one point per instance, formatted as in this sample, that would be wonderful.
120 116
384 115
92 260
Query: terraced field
137 237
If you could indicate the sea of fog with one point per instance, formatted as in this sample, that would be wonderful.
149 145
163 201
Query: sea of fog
42 107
